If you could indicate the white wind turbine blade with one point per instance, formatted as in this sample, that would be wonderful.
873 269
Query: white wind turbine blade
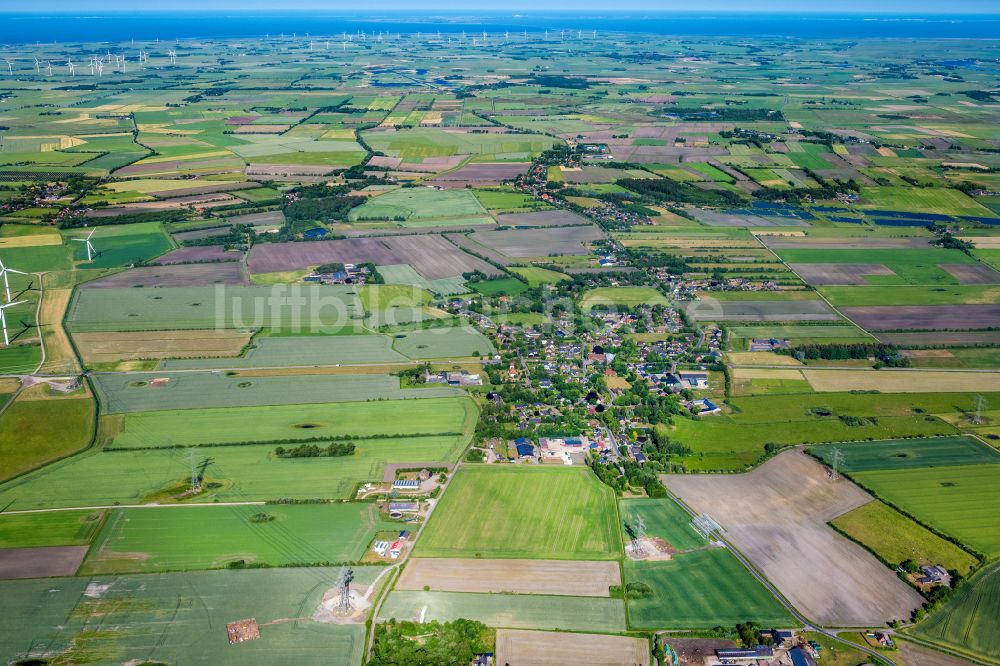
3 320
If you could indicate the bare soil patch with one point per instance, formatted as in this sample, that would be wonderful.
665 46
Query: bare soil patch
917 655
839 273
431 256
951 338
650 549
972 273
543 218
40 562
198 254
520 648
540 242
777 516
694 651
573 578
108 347
923 317
175 275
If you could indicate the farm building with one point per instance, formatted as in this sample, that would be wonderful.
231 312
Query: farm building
692 379
405 484
463 378
703 407
800 657
380 548
935 575
525 449
767 344
404 507
745 655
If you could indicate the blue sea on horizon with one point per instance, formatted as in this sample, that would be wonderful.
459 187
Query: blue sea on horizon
28 28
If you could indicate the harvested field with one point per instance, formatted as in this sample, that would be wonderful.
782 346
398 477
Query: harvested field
519 647
544 218
944 338
194 255
900 381
863 243
572 578
40 562
923 317
466 243
855 588
972 273
518 611
917 655
839 273
195 234
109 347
275 217
484 172
175 275
714 310
431 256
540 242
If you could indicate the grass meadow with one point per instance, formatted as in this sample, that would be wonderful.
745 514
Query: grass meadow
58 528
665 519
543 513
177 538
700 590
895 537
241 473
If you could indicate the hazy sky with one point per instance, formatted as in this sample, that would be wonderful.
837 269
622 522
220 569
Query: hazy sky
472 6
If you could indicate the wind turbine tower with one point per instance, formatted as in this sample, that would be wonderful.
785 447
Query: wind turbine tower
3 320
90 246
6 283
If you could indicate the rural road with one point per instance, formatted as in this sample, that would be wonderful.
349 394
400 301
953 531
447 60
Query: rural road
808 626
398 565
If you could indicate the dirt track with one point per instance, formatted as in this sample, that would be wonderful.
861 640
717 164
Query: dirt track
573 578
518 648
777 516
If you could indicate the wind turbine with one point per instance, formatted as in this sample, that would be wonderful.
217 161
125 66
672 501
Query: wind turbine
3 271
90 246
72 67
3 320
48 66
38 66
10 68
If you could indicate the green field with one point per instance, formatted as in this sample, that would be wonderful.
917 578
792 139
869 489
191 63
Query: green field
958 500
58 528
179 618
419 203
512 611
376 297
164 308
197 427
299 350
524 513
121 393
449 342
930 200
539 276
723 443
178 538
625 297
909 454
122 246
241 473
970 621
665 519
895 538
911 266
433 142
506 286
34 432
700 590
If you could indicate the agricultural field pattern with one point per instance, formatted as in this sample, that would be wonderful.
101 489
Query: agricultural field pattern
498 340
